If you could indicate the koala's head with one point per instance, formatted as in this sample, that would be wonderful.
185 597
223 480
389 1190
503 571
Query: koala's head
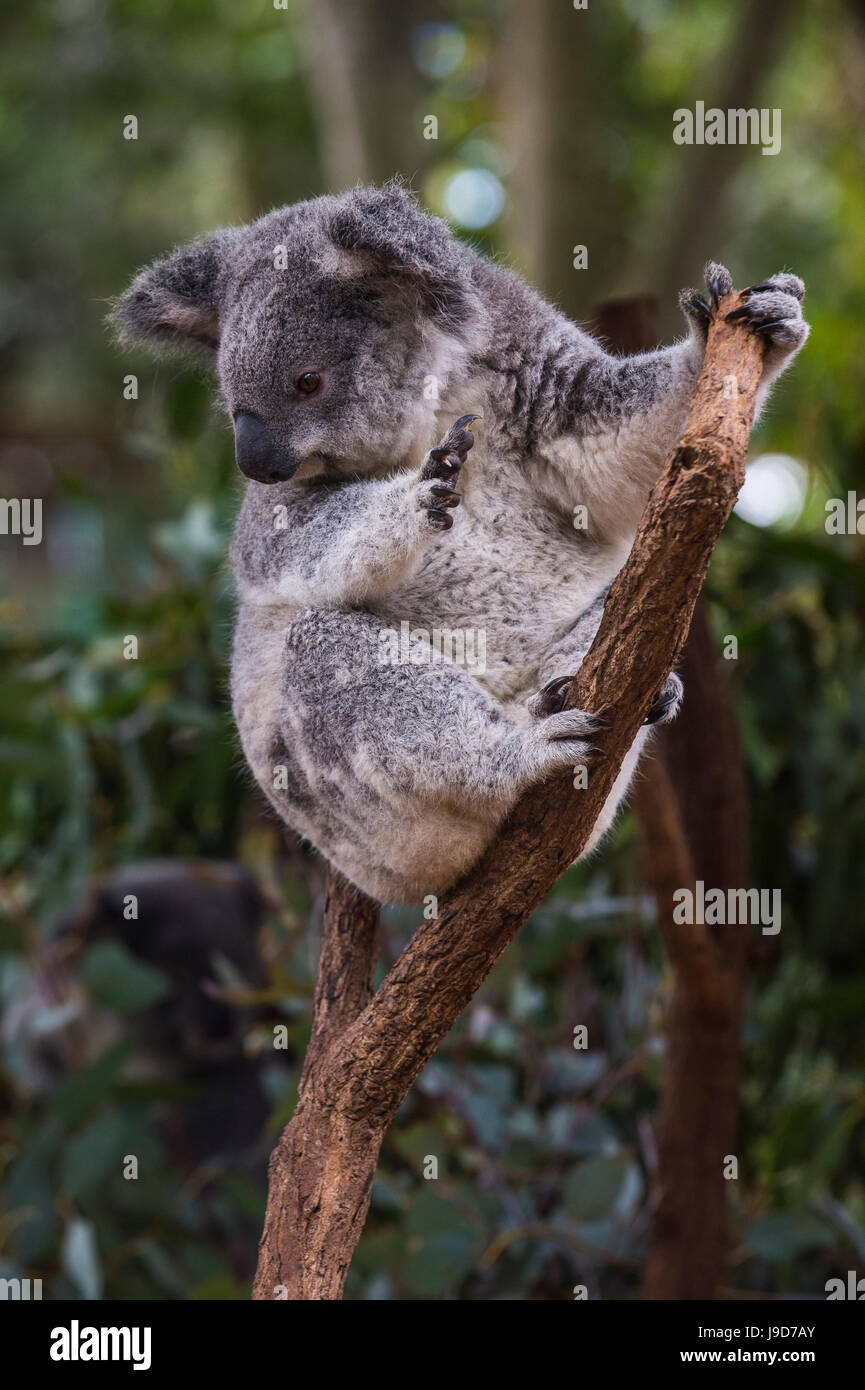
325 320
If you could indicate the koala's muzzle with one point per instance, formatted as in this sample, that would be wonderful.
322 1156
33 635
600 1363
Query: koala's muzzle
257 455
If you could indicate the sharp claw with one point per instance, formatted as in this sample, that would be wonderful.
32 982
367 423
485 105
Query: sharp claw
699 303
744 311
763 285
550 698
657 712
554 686
656 715
442 462
440 521
460 436
602 722
773 323
713 289
452 451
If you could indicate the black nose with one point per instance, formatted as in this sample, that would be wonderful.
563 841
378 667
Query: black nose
256 454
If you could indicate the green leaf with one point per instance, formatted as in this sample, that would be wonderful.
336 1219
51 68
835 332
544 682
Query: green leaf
115 978
248 1198
442 1247
833 1146
416 1142
80 1258
28 1196
785 1235
94 1154
83 1090
593 1187
219 1289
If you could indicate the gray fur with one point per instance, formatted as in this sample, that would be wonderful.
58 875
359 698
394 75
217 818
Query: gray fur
400 774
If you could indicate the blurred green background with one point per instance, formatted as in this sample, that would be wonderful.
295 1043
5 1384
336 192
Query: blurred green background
554 129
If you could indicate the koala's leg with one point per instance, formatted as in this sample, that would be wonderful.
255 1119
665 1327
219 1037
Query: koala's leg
622 415
562 661
399 773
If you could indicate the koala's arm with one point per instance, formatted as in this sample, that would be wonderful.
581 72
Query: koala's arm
330 545
611 427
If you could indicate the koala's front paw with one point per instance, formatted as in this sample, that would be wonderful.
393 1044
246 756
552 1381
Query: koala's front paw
441 470
774 308
666 706
696 308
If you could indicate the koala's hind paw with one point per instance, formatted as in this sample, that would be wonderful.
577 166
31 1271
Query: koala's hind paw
559 741
443 464
666 706
774 308
550 699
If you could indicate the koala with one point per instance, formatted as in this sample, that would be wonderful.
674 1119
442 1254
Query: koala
434 454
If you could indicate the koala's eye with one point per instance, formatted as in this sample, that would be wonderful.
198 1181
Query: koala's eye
309 382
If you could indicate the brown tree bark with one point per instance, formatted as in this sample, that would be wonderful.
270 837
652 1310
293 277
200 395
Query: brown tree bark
324 1164
323 1168
692 805
346 965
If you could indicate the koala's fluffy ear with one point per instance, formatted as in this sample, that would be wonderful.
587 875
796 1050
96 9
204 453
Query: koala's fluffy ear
174 300
383 234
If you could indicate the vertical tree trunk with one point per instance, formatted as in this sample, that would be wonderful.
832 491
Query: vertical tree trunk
552 99
366 90
694 208
698 1120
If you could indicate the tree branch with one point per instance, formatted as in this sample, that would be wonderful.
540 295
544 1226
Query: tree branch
346 966
323 1167
691 804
